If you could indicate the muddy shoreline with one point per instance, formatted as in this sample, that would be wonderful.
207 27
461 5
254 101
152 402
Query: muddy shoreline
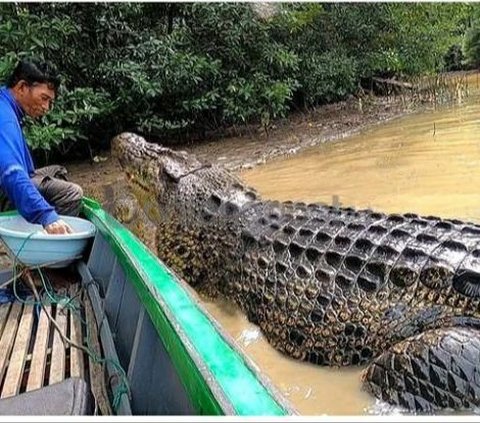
285 137
300 131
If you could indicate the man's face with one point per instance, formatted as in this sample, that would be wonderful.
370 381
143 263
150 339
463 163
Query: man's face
35 99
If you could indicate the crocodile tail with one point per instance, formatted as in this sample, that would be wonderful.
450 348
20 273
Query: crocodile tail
435 370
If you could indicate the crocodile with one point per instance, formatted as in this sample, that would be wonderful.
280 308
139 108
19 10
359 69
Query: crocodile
336 286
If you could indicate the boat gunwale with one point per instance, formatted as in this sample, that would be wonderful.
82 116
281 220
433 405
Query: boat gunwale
217 382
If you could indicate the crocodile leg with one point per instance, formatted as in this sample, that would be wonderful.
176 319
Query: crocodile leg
436 370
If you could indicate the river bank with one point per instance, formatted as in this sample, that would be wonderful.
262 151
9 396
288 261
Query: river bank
285 137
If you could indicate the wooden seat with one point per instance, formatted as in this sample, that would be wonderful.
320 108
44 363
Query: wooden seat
70 397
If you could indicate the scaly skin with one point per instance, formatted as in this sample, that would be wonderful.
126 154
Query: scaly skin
333 286
128 212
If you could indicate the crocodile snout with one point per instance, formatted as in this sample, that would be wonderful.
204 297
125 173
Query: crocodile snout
123 145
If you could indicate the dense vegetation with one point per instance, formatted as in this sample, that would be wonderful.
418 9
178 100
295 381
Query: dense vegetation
181 70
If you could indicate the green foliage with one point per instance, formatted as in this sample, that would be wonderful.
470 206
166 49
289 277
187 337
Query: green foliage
162 87
472 46
253 76
327 77
426 32
380 38
171 70
455 59
209 72
471 41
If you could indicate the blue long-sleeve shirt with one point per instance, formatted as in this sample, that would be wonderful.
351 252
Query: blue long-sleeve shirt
16 165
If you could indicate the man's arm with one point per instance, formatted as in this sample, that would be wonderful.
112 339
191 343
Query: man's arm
26 198
17 184
18 187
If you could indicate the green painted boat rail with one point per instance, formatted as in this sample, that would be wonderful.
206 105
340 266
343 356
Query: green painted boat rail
216 376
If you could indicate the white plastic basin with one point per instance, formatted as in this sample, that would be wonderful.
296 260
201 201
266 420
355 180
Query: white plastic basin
33 247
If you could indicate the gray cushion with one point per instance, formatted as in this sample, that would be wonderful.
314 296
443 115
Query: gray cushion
70 397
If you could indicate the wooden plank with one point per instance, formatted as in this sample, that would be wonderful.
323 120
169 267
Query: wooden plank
97 369
40 352
57 366
76 355
13 378
8 336
4 309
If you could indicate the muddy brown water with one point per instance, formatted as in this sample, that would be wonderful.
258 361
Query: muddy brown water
427 163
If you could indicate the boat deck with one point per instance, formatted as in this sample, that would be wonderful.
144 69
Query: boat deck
33 353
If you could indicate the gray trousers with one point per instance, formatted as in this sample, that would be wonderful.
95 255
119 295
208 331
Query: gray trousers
52 183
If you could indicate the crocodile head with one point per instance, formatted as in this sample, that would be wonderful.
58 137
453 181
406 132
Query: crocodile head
155 174
160 176
184 199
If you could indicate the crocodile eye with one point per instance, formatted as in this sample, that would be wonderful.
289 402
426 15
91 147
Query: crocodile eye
171 172
165 176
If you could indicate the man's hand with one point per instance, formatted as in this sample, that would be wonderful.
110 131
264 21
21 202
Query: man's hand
58 227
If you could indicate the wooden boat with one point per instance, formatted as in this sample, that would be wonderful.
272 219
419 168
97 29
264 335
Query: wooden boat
148 348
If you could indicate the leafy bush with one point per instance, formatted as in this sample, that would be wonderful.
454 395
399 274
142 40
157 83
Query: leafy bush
454 59
327 77
472 46
178 70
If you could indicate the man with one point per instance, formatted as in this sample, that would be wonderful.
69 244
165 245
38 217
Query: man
41 195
